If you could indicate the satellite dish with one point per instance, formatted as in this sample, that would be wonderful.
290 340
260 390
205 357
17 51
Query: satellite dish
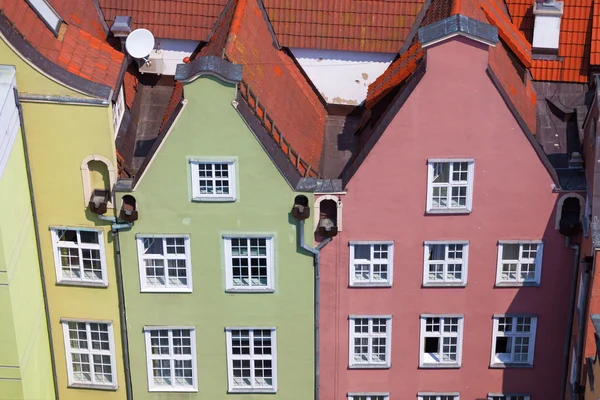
140 43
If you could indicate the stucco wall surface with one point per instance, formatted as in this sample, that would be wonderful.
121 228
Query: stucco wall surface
454 112
209 127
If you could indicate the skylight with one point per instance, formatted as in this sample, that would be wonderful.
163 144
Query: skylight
45 11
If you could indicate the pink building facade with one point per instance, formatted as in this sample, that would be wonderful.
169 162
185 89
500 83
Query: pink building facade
448 276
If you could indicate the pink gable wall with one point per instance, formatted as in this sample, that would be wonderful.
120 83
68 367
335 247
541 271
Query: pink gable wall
455 111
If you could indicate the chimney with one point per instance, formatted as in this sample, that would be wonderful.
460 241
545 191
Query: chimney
546 29
121 26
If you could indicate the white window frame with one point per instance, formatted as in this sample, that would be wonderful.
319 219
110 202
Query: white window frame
369 396
352 363
510 396
464 261
519 281
270 256
232 179
91 352
494 361
252 357
47 14
424 361
10 122
171 357
144 287
468 183
60 278
118 109
370 263
437 396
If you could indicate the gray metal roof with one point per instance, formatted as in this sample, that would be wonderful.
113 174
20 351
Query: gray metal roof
458 25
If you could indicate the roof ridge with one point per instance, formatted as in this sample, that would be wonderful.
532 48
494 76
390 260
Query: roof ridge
234 28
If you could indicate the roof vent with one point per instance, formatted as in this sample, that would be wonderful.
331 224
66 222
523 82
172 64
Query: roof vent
546 30
576 160
121 26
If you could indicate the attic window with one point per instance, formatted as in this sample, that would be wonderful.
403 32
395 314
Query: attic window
48 14
546 29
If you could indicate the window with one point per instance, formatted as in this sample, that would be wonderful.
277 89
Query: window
252 360
441 341
450 185
249 263
164 263
445 264
438 396
118 111
370 341
47 14
90 354
213 180
79 256
368 396
9 115
508 397
371 263
513 341
171 359
519 263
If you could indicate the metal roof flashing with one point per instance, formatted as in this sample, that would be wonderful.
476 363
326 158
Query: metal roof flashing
209 65
458 25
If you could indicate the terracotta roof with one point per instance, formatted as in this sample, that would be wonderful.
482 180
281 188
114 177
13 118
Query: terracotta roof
574 42
357 25
283 92
170 19
76 50
595 50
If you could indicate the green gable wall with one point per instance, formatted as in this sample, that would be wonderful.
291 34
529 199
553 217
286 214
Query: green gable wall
209 126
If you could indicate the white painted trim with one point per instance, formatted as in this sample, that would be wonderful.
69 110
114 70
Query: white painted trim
368 395
388 336
490 396
233 180
474 38
370 283
137 182
426 262
538 264
429 209
561 201
422 395
531 335
318 210
69 361
85 177
118 106
230 387
172 357
229 286
57 257
441 335
142 268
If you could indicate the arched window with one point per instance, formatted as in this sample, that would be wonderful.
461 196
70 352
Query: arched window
569 213
328 214
98 176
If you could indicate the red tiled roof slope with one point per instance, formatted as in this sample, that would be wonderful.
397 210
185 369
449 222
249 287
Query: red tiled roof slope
595 48
169 19
353 25
81 14
272 75
76 50
574 43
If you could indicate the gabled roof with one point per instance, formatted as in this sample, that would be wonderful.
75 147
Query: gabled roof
574 42
293 109
375 25
169 19
80 52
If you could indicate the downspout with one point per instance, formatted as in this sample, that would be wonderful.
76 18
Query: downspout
566 351
38 244
316 252
121 293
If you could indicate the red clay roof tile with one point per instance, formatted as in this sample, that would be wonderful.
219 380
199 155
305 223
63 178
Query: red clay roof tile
78 48
357 25
170 19
595 48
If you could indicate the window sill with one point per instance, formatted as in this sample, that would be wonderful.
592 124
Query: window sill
213 199
173 390
440 366
370 285
369 366
247 290
445 284
252 390
165 290
511 365
435 211
92 386
82 284
517 284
